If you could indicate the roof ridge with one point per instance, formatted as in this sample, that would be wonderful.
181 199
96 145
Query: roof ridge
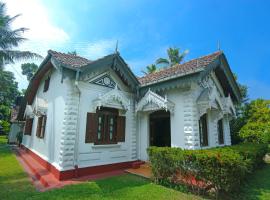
67 54
180 64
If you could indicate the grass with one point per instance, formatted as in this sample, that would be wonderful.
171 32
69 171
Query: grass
15 184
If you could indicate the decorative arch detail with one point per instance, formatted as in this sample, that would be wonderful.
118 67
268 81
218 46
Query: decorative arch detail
158 101
113 98
209 99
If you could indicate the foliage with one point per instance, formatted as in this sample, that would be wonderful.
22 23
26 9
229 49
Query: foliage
257 127
16 185
9 88
5 125
222 169
29 69
252 154
241 119
10 39
150 69
74 53
174 57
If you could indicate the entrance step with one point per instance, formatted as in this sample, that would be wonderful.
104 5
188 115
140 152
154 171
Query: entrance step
144 170
137 164
41 177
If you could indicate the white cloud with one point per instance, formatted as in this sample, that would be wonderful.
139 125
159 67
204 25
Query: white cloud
98 49
42 34
35 17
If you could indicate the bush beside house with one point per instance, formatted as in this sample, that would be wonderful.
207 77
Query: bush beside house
218 169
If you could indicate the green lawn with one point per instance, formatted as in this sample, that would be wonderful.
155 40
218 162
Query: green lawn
15 184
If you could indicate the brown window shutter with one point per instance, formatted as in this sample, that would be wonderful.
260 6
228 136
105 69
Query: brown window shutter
91 128
39 124
28 126
43 126
121 125
46 85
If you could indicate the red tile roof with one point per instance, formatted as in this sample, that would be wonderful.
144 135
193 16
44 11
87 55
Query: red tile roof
69 59
180 69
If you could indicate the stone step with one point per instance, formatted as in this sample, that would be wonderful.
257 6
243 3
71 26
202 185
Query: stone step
39 172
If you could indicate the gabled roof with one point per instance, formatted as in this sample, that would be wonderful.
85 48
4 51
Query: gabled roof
69 59
180 69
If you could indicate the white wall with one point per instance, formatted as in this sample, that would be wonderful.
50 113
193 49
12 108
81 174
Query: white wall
48 147
91 155
185 122
177 97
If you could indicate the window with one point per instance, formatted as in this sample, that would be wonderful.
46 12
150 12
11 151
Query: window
41 125
28 126
105 127
203 129
46 85
220 132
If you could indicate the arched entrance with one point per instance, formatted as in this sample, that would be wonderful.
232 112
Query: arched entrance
160 128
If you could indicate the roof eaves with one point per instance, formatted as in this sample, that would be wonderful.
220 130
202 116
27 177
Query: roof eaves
172 77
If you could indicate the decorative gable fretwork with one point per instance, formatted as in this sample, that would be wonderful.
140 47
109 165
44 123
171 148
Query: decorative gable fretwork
114 99
152 101
210 99
105 81
229 106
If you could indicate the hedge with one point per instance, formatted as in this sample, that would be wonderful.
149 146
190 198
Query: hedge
221 169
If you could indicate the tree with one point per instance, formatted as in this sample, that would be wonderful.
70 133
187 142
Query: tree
174 57
9 88
150 69
257 128
11 39
241 118
74 53
29 69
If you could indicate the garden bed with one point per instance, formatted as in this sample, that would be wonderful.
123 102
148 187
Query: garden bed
219 170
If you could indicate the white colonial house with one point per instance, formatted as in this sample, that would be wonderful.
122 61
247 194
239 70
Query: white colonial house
84 117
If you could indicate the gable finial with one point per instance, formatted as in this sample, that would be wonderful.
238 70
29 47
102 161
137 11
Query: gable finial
116 47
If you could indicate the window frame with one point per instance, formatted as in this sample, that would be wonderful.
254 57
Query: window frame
106 114
41 126
220 130
204 140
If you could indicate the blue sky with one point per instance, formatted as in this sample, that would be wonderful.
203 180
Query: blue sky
145 29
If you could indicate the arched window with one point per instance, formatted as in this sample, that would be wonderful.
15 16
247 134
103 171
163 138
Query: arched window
203 129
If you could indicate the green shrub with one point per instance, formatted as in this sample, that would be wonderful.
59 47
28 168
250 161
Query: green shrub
256 132
252 153
223 169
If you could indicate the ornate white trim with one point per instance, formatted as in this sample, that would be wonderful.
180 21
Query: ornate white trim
113 95
229 106
159 101
213 101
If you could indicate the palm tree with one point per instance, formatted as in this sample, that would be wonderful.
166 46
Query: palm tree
174 57
10 39
150 69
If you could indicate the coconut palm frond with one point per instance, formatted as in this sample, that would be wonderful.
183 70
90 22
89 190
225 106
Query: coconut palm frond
162 61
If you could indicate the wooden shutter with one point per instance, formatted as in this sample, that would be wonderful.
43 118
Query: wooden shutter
91 128
28 127
43 126
121 127
39 124
46 85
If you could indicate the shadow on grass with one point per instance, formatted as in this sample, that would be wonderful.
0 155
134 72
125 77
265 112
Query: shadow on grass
257 186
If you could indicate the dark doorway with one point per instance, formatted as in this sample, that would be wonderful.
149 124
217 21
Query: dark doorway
160 129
